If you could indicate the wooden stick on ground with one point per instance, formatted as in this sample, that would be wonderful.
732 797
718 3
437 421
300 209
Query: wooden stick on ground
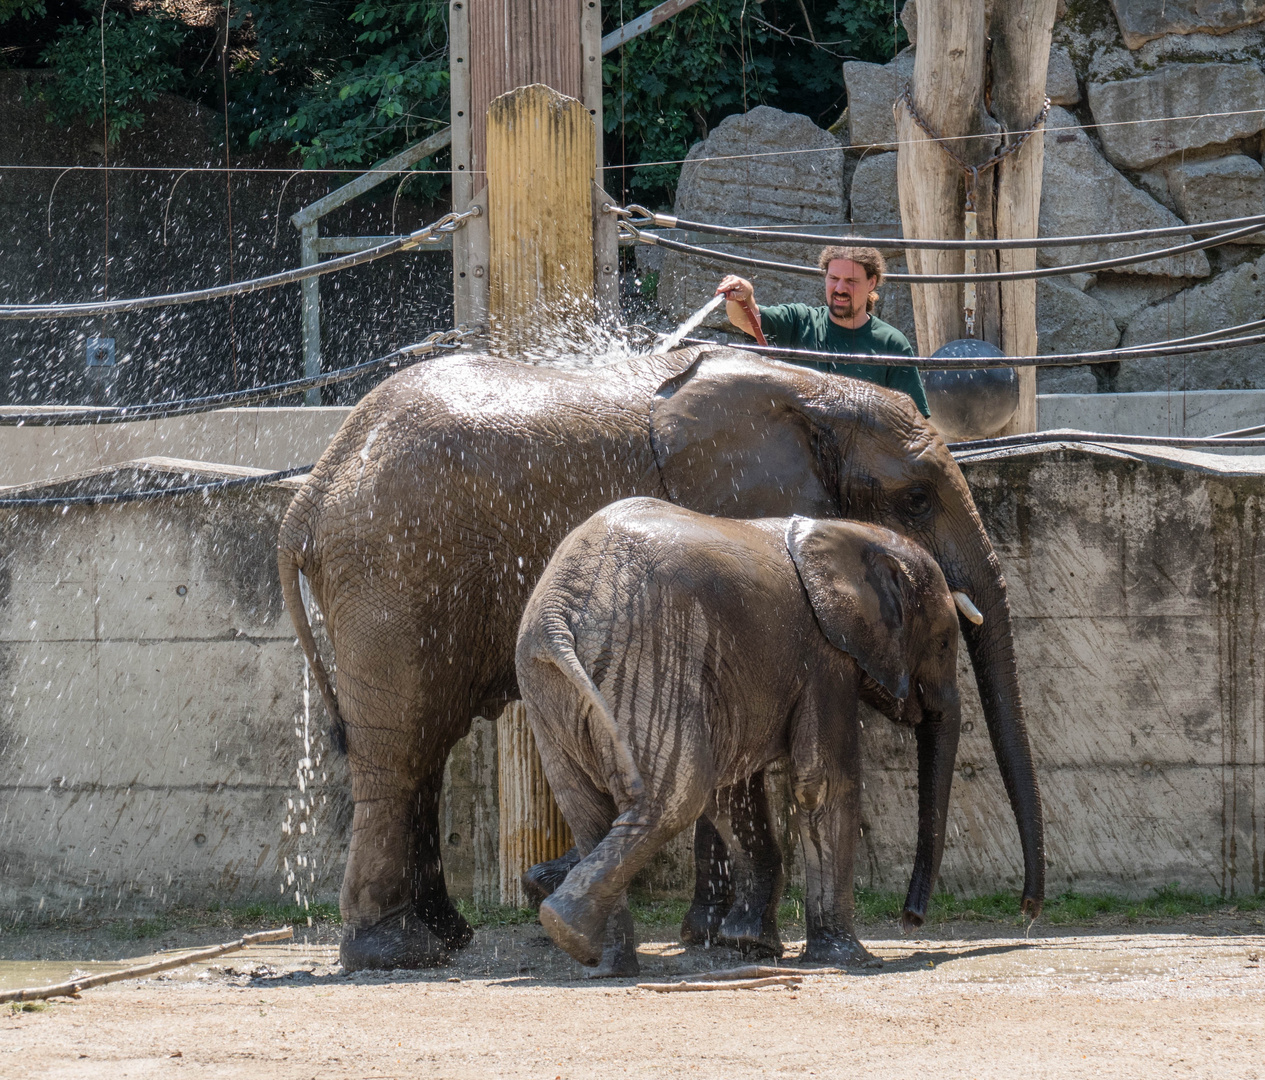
73 988
725 984
747 971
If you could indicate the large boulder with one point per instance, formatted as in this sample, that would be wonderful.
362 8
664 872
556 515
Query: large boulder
1143 20
1218 188
1081 193
1070 321
872 90
752 169
1124 295
875 200
1176 90
1060 78
1234 297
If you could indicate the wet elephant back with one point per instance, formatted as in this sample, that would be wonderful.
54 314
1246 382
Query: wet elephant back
450 485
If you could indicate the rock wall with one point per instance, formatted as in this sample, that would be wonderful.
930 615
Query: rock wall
163 215
1157 119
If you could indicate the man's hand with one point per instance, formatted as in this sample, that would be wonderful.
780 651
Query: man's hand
736 290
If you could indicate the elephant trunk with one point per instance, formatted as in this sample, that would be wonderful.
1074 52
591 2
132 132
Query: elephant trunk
992 650
937 735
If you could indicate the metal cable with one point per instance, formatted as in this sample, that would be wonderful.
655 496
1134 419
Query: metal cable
429 235
771 233
1104 356
110 497
928 279
54 416
1004 441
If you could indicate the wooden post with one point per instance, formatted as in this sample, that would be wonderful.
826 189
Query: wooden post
1021 33
950 74
532 828
540 157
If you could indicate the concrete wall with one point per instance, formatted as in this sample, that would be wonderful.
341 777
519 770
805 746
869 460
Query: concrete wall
148 746
151 719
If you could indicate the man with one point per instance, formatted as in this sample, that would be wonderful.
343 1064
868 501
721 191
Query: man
844 325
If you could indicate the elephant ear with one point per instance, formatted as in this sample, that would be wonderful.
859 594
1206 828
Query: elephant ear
857 588
732 437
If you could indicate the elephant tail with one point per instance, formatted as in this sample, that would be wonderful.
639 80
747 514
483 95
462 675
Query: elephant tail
289 569
561 652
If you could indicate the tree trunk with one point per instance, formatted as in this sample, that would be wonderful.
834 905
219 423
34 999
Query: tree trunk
1021 49
954 76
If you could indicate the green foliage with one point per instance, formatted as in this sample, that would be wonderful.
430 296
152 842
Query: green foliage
665 89
28 9
484 915
668 88
27 1006
388 88
346 83
139 55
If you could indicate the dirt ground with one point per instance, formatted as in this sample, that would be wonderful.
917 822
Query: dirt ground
968 1000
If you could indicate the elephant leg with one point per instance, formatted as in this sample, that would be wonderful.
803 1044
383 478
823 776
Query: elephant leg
540 880
744 820
401 720
713 886
587 915
381 926
430 891
826 776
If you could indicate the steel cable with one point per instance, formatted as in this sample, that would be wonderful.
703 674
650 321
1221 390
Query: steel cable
928 279
56 416
429 235
770 233
1067 436
1104 356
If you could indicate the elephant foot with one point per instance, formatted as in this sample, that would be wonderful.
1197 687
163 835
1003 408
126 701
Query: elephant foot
398 941
575 925
451 927
701 925
754 933
839 950
543 878
619 950
910 921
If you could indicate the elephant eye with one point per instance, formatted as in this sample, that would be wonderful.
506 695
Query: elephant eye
917 502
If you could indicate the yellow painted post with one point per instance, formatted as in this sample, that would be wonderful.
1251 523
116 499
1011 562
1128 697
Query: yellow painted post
532 827
540 167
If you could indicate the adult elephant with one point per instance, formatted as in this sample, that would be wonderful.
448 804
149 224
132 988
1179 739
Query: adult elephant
433 512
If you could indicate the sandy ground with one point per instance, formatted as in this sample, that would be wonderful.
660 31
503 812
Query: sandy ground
966 1001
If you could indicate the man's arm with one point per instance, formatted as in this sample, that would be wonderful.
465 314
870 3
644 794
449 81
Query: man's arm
736 290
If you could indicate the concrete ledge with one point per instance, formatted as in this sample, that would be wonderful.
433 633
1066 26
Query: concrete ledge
265 438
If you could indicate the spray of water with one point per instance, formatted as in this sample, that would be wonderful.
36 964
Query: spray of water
674 339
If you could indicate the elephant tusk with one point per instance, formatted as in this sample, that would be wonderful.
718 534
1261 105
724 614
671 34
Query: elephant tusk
972 613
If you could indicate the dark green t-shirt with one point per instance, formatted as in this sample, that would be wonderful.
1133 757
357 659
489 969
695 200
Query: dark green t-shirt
798 326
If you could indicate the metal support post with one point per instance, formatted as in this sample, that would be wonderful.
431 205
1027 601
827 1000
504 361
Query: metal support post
309 256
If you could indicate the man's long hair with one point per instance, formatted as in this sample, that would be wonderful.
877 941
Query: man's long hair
874 264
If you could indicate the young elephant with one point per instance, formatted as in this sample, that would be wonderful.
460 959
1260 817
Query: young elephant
666 655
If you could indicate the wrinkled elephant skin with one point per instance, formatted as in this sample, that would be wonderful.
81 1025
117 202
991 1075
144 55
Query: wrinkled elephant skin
433 512
667 656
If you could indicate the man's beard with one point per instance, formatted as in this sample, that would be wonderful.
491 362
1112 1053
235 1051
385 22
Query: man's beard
841 307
